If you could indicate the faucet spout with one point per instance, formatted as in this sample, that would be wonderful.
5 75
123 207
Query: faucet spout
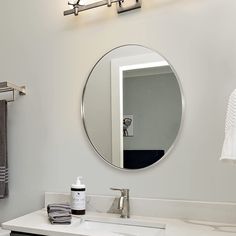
121 203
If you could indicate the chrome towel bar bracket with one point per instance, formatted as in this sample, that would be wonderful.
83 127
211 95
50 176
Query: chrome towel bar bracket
9 87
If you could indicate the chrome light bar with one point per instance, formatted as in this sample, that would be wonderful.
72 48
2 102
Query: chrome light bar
76 7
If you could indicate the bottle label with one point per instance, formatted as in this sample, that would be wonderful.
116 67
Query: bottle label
78 200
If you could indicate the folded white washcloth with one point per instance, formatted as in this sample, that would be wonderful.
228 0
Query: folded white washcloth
229 147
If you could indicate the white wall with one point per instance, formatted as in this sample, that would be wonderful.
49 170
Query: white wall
52 55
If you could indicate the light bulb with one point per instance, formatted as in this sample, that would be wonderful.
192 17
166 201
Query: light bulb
86 2
73 2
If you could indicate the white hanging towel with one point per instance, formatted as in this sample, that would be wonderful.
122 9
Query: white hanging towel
229 147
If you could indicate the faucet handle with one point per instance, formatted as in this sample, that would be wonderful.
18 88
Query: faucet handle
117 189
124 191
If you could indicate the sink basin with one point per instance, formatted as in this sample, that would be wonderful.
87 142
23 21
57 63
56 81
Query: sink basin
91 228
118 227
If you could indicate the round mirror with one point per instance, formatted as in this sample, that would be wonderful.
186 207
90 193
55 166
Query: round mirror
132 107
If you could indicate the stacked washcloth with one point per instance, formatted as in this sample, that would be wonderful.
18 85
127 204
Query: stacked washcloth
59 213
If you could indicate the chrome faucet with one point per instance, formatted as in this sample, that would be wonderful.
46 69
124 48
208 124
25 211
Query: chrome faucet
123 203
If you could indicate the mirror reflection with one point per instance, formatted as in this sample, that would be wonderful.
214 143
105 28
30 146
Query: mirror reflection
132 107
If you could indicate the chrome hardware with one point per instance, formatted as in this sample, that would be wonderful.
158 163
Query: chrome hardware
77 7
109 3
9 87
123 203
121 8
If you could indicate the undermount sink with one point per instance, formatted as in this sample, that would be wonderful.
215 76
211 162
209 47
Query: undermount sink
105 229
118 227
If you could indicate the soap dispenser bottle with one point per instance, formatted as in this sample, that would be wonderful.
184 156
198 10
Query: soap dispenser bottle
78 199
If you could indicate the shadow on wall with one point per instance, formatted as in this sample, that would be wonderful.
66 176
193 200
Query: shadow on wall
162 3
105 15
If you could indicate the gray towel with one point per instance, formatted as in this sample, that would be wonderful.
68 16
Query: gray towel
59 213
59 218
61 221
3 150
58 207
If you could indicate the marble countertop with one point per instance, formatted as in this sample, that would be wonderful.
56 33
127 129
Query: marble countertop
37 223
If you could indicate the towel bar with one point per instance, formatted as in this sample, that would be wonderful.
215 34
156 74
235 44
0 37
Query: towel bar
9 87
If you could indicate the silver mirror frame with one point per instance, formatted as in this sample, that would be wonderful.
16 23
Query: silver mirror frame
182 114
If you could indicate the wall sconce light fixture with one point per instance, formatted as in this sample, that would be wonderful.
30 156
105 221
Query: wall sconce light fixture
77 7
